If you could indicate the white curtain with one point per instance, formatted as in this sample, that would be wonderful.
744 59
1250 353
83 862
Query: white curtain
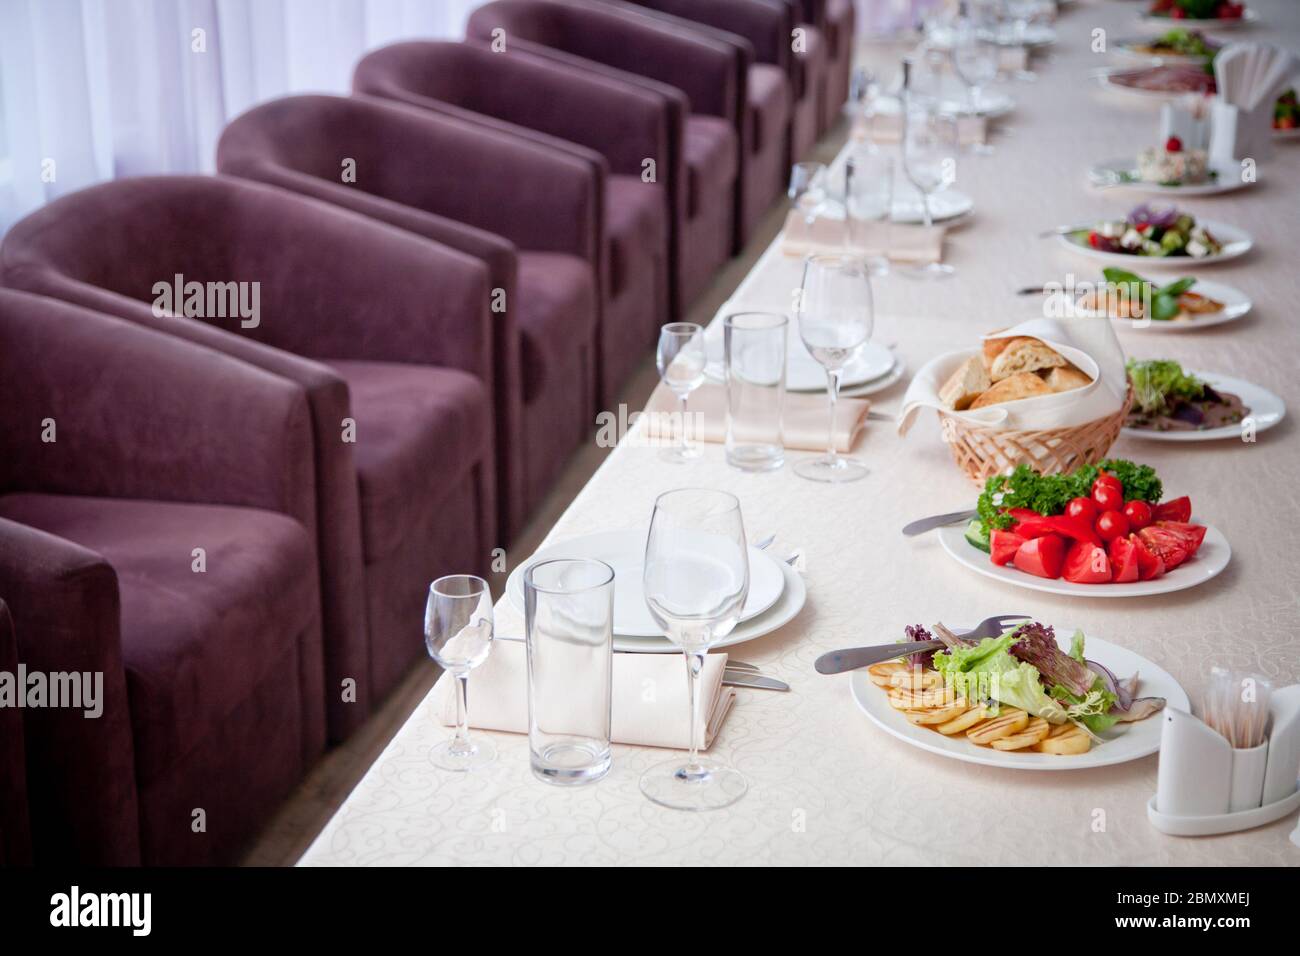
95 89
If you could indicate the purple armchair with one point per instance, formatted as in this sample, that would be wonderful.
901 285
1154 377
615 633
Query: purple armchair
763 45
837 21
531 214
389 336
699 79
613 126
811 75
15 835
157 527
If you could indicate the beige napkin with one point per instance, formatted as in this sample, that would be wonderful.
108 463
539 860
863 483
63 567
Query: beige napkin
650 701
803 418
886 128
897 242
1091 344
1013 59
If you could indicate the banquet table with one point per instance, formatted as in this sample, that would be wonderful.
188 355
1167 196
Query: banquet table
826 785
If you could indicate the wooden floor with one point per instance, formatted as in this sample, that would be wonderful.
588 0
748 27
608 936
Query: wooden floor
323 791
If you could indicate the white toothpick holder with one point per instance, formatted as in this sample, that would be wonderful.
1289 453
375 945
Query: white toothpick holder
1205 786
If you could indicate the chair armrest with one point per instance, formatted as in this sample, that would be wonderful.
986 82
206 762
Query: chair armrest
65 608
15 825
623 122
139 414
703 68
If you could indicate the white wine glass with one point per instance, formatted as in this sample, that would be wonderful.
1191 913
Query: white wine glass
681 359
695 579
458 634
808 189
835 319
930 162
976 65
868 199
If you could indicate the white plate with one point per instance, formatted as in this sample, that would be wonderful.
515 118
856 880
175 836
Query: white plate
880 384
1266 410
1129 48
1120 744
1248 16
1212 558
1229 178
1107 81
802 371
1236 305
1036 35
778 615
1234 243
624 551
992 105
944 206
1287 135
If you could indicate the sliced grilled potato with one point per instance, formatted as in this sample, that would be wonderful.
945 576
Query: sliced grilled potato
1011 721
882 675
1036 730
916 679
1065 740
964 722
937 715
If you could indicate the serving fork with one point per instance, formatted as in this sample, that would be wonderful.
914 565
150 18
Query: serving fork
837 662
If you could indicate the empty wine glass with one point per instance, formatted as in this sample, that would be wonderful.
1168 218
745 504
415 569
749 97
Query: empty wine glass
930 161
835 318
458 635
681 360
808 189
696 579
976 65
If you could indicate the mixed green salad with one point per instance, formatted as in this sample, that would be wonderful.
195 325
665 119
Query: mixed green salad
1025 668
1180 42
1150 231
1159 385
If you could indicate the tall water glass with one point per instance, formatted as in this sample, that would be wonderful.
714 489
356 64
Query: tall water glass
755 346
569 629
458 635
808 189
868 201
696 579
681 359
836 313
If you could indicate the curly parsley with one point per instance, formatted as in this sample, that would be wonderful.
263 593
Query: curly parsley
1049 494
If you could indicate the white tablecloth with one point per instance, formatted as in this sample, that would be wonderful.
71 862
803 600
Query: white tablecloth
826 785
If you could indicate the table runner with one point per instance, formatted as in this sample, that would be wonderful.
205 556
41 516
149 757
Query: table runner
828 787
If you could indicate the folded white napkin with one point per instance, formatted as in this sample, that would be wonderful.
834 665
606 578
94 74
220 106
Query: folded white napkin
650 700
1089 343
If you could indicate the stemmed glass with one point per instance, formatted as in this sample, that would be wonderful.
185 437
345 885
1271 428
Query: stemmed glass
868 198
681 360
458 635
930 161
835 318
696 579
976 65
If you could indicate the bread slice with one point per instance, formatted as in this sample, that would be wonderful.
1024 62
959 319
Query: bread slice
1024 355
965 385
1067 378
1021 385
993 348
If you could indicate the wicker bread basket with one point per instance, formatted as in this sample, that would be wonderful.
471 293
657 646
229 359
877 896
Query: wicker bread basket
983 452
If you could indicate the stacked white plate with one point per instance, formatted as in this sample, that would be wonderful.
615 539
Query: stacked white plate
875 369
776 591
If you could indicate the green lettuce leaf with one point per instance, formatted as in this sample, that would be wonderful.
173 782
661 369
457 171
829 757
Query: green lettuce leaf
985 670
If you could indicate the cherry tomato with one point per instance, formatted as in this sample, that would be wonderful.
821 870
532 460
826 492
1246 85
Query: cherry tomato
1138 514
1107 496
1112 524
1082 508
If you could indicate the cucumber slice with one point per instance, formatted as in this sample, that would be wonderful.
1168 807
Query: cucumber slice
975 535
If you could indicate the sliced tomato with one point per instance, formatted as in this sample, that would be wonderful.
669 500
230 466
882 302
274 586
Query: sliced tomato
1042 556
1169 546
1176 509
1123 560
1073 528
1149 563
1086 563
1003 546
1192 534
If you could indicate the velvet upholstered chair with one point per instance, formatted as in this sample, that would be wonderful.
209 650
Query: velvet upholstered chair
698 77
528 213
15 834
157 528
758 32
387 333
810 74
612 125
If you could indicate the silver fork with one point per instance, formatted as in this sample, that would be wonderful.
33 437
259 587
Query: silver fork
850 659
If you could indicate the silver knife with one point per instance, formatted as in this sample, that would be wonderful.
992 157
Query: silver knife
733 678
937 521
